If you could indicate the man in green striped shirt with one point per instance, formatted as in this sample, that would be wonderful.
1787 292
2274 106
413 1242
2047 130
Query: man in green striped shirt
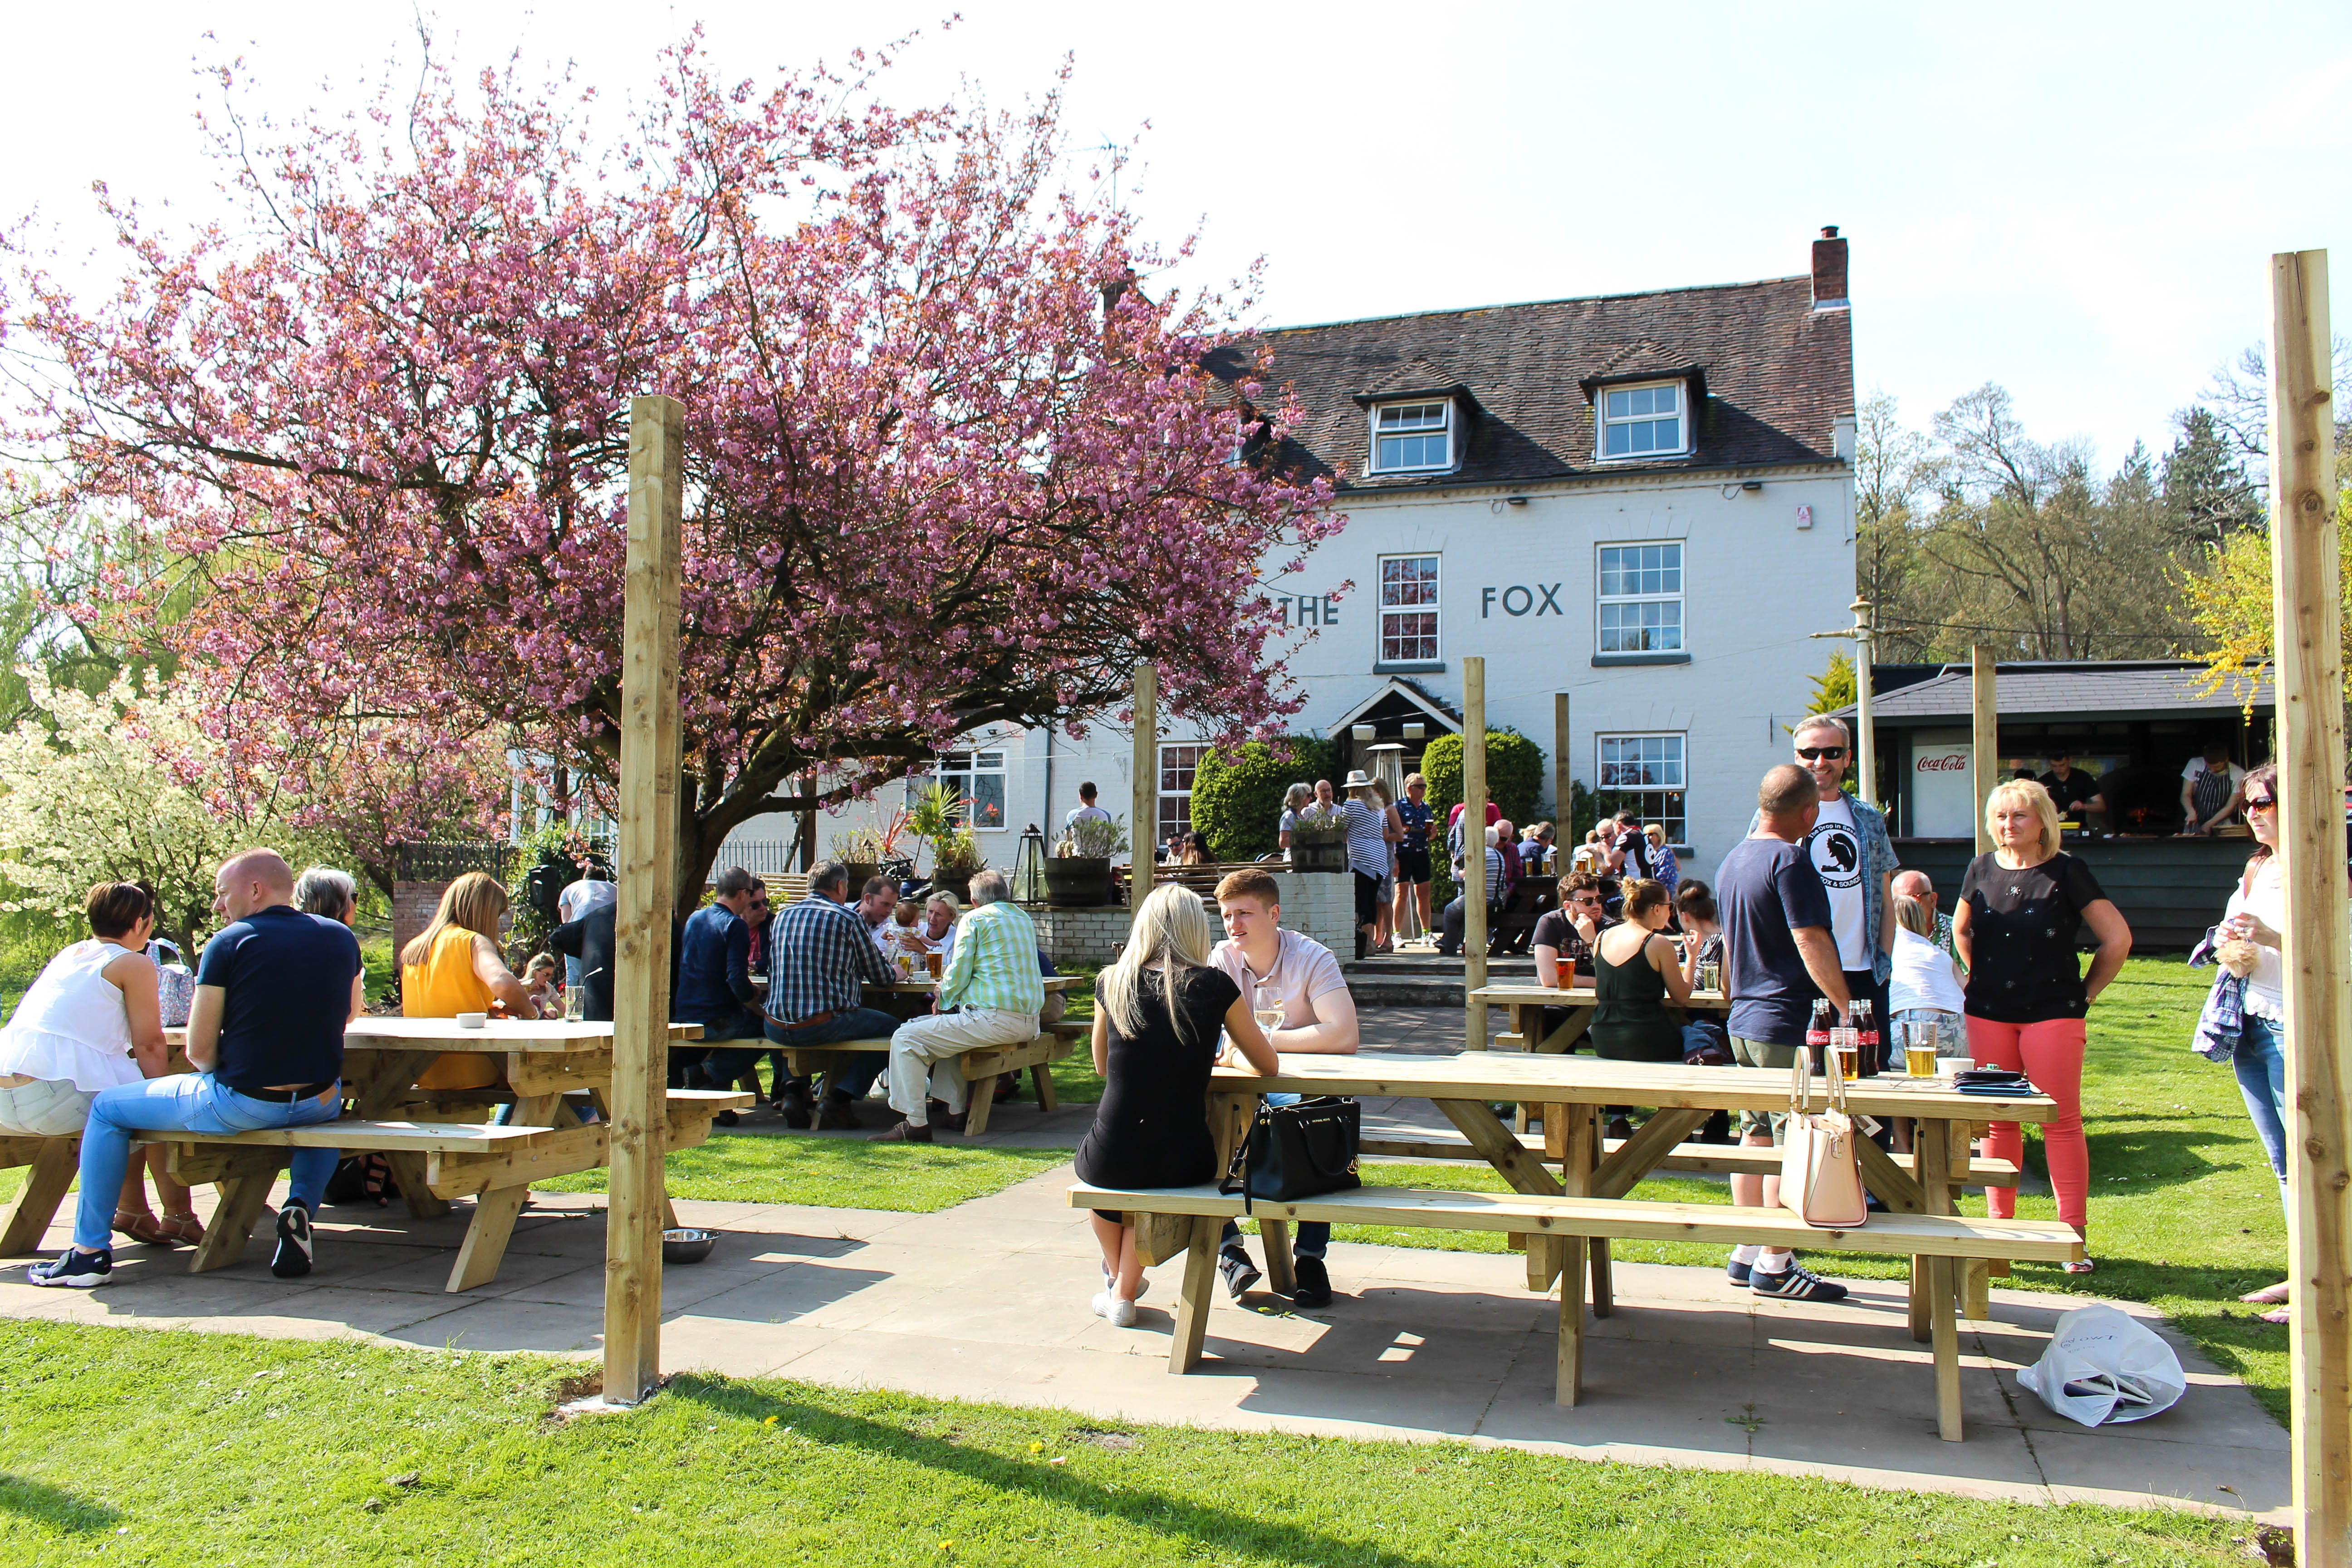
990 995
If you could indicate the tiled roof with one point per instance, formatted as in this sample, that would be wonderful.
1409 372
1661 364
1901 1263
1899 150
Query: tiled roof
1777 375
2107 689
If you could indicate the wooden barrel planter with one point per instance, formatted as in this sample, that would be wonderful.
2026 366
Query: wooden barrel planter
1073 882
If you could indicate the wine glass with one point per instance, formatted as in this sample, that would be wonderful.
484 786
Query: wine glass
1266 1007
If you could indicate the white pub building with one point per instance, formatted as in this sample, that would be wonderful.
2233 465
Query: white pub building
1644 502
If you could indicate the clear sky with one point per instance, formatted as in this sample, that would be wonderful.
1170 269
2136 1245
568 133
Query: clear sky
2075 200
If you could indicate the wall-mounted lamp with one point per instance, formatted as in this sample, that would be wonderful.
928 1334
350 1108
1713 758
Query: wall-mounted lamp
1752 484
1516 501
1362 732
1415 732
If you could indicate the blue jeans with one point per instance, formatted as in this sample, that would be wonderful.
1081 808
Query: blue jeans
2260 1064
187 1102
857 1024
1308 1237
699 1067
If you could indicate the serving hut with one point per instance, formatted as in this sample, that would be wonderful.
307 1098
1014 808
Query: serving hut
2132 726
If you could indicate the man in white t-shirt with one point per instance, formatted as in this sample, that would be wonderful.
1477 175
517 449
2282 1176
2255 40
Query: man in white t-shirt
1085 810
1849 847
1318 1015
579 900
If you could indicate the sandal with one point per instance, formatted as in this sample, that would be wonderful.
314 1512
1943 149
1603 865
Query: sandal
183 1228
2269 1295
2080 1265
142 1227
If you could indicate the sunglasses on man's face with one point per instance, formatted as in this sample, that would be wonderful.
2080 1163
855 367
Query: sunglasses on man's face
1827 753
1590 900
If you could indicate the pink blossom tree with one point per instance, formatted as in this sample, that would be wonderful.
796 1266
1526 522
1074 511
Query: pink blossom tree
948 463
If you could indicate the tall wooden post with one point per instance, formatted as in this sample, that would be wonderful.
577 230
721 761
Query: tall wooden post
1984 750
1145 833
1474 849
2307 644
648 853
1563 780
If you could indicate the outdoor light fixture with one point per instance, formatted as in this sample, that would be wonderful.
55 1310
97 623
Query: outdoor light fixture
1029 868
1752 484
1362 732
1415 731
1516 501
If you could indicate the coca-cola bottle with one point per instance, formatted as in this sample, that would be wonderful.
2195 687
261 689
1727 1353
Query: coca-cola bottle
1817 1033
1865 1028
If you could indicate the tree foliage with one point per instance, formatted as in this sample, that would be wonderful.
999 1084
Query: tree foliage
1514 774
1237 792
2233 603
949 461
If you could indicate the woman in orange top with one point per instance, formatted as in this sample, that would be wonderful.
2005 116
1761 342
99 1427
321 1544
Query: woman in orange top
454 966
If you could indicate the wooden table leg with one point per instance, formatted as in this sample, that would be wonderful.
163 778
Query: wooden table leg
1193 1296
1947 1349
243 1194
492 1227
378 1083
1041 1078
1571 1385
45 1181
979 1099
1274 1236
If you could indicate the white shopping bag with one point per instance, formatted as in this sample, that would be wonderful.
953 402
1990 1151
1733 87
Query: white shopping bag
2103 1365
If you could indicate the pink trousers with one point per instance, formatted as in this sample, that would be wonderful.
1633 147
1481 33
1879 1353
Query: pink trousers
2051 1054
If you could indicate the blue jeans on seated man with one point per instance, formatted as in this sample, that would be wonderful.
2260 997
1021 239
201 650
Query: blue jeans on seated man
727 1051
1308 1237
856 1078
187 1102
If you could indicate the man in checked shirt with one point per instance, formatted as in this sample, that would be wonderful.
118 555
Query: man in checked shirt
822 954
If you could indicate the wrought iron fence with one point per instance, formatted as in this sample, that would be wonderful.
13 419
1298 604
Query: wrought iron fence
447 862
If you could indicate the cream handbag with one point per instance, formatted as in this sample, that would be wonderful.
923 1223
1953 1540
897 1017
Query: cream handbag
1820 1181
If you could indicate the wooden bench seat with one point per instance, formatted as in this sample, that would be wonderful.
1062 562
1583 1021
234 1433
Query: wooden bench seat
981 1067
1188 1219
1720 1159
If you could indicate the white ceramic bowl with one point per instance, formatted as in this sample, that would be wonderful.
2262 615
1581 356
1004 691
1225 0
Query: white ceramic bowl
473 1020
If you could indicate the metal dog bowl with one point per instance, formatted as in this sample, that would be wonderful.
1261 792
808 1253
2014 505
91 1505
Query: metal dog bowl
687 1246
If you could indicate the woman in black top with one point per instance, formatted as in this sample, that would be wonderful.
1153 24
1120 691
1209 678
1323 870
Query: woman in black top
1156 1013
2020 914
1633 972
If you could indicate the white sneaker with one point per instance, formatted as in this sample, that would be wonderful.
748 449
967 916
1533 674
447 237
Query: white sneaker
1142 1286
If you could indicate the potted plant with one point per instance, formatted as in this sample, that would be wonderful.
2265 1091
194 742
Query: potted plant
861 849
1077 874
940 818
1318 840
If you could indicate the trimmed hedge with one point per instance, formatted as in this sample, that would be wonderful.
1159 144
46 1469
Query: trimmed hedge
1515 776
1237 793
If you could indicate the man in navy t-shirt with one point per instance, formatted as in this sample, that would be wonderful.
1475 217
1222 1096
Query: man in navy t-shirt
274 989
1779 957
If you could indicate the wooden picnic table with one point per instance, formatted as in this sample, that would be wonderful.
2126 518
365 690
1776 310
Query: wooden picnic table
537 1063
1572 1089
1526 1004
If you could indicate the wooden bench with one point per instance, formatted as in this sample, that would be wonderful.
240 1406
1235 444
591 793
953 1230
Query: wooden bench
981 1067
1718 1158
26 1218
1188 1219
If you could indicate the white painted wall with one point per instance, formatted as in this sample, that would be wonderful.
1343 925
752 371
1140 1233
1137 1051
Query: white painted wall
1755 585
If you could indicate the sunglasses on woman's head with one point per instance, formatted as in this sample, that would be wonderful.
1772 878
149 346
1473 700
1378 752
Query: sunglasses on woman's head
1815 753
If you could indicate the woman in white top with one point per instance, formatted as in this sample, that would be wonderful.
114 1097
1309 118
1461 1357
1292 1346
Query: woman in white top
2257 912
90 1021
1926 985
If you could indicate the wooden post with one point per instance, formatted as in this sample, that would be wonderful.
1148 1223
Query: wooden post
1563 781
2307 644
1984 754
648 873
1865 733
1145 834
1474 847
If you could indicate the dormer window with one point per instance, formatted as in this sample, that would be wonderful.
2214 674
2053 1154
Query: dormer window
1413 437
1645 421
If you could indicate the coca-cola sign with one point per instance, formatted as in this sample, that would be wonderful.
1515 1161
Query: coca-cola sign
1944 762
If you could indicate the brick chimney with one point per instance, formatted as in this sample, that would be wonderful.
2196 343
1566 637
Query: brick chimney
1829 272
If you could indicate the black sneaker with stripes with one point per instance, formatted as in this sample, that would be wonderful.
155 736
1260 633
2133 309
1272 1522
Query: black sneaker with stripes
1795 1283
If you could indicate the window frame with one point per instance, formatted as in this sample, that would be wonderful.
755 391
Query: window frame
1616 796
1603 601
1685 420
1449 429
940 771
1162 793
1433 609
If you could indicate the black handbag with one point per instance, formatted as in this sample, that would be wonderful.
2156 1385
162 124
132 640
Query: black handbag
1297 1152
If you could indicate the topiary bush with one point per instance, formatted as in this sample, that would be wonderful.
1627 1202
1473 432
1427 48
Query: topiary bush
1237 792
1515 775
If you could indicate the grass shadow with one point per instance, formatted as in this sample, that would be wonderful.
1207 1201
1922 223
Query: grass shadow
59 1510
2150 1155
1225 1530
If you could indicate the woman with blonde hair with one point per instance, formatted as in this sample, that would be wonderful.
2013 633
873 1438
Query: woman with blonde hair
1157 1013
2022 908
454 966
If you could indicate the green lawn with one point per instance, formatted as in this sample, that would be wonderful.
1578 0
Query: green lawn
910 1178
128 1445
